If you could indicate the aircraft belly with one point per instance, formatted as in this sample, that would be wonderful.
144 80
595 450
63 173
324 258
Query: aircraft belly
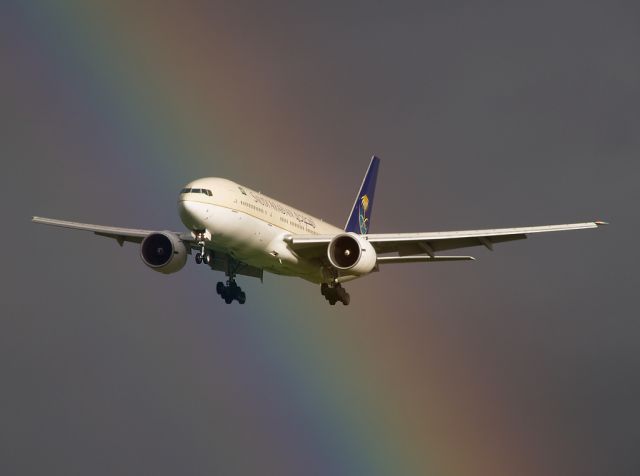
256 243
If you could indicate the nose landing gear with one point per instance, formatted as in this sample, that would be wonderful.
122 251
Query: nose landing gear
202 256
335 293
231 291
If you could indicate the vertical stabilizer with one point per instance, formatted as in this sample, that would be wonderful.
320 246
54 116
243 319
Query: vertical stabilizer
360 217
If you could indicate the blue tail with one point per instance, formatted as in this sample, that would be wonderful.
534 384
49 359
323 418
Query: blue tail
360 218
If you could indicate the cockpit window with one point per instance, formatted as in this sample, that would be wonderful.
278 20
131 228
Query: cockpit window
206 191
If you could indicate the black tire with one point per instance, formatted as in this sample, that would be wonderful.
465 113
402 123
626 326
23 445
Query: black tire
228 299
220 288
331 295
198 258
242 298
324 287
332 301
207 258
346 299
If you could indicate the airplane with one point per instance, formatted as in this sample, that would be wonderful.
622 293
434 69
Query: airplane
240 231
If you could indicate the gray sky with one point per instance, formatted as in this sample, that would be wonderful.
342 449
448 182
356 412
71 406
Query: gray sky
496 114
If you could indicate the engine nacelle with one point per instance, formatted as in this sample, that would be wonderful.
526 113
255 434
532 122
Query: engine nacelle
163 252
352 253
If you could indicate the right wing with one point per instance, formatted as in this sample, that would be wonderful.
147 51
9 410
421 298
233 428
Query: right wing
220 262
133 235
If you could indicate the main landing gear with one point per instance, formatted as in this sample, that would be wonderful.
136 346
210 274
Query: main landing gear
231 291
335 293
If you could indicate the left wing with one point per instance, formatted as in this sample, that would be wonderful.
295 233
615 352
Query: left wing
410 244
120 234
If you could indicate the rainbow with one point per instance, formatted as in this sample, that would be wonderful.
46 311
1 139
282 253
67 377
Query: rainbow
369 391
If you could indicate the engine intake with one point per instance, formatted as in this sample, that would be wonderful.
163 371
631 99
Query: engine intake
163 252
350 252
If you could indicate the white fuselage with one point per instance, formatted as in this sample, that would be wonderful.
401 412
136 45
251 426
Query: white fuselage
250 226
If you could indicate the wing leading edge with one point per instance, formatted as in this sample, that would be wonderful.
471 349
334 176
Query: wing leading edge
410 244
133 235
220 261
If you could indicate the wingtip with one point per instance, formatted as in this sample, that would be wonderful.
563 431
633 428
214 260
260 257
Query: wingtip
601 223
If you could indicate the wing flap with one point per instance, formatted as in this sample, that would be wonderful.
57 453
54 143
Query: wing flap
120 238
406 247
420 259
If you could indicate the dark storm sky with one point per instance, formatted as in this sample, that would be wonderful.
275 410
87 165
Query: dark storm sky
485 114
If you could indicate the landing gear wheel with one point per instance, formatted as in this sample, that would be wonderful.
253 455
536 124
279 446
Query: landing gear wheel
335 293
198 257
207 258
231 292
343 295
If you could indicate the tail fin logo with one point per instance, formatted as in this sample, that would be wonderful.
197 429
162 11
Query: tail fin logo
359 220
363 221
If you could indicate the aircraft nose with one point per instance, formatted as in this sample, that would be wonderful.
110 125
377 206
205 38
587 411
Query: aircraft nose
187 212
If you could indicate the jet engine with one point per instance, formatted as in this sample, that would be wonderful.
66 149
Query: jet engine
352 253
163 252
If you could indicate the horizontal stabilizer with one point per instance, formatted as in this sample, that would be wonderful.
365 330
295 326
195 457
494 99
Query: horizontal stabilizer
421 259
